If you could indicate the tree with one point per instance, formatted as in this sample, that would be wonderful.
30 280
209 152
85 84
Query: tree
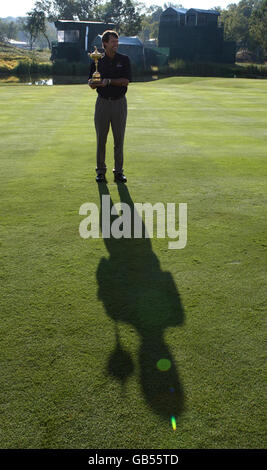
36 25
154 12
67 9
125 15
258 29
8 30
245 23
3 36
12 30
31 27
150 23
236 22
173 5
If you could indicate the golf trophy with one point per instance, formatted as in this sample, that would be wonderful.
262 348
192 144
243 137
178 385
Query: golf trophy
96 77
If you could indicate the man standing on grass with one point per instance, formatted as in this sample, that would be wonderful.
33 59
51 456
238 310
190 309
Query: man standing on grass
111 104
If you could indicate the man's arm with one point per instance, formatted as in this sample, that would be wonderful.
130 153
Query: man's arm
109 81
119 81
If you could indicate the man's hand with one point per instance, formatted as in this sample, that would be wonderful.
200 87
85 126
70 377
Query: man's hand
93 85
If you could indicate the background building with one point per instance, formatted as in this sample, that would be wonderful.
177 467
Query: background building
194 35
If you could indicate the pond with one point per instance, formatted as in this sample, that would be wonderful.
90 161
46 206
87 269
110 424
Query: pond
59 80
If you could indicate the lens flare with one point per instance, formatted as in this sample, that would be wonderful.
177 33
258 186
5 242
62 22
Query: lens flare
173 421
164 364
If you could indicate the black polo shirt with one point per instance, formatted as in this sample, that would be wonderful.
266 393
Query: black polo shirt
118 67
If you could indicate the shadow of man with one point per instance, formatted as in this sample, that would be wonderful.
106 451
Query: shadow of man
135 290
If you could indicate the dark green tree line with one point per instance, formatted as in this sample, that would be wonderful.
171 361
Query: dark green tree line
246 23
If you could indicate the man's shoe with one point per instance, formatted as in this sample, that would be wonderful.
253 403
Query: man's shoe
120 178
101 178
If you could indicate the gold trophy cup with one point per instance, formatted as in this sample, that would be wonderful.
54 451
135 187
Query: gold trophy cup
96 77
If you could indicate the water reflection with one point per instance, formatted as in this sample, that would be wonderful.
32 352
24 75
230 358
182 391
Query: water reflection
44 81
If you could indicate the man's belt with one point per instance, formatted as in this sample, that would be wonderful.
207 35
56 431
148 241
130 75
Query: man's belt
111 98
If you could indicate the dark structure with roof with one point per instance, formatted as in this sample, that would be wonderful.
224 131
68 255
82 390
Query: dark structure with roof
75 39
194 35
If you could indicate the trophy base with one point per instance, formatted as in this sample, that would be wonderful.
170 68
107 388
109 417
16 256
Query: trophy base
96 78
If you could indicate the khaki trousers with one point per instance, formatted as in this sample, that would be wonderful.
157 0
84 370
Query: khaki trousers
108 112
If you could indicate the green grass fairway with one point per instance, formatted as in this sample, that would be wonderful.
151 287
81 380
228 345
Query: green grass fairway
85 321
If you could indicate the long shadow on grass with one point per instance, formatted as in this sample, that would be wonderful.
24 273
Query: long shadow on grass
135 290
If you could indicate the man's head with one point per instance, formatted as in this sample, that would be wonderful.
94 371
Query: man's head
110 40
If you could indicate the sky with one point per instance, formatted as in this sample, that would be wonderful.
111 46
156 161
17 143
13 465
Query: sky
21 7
